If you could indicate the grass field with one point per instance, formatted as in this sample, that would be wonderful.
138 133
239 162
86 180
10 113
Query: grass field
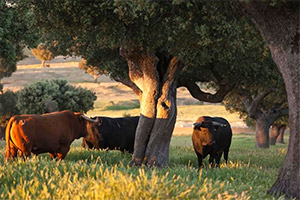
92 174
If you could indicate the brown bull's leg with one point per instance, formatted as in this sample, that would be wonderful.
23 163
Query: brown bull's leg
62 152
52 155
12 152
199 156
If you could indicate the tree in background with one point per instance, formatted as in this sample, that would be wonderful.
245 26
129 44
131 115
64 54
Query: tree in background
278 129
92 70
42 53
54 95
278 22
164 45
261 97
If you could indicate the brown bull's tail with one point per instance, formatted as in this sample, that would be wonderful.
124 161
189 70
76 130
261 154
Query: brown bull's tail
7 138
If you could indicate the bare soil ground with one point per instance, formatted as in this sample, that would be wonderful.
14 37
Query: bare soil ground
106 90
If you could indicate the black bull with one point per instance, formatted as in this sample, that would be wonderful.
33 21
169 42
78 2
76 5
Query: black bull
211 135
111 133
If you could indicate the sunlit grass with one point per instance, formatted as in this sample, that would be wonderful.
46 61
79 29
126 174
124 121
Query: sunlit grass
91 174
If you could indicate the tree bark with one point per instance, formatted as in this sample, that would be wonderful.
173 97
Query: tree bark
157 152
280 138
262 132
274 133
157 82
280 27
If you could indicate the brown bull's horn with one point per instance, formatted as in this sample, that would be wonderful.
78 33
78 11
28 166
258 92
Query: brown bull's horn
89 119
219 124
197 124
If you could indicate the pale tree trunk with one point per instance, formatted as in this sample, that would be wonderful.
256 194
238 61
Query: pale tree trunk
280 27
274 133
157 106
157 152
43 63
95 78
280 138
262 132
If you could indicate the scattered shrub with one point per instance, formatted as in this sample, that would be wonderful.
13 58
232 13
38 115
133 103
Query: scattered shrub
54 95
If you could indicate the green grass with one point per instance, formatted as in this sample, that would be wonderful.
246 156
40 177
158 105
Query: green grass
91 174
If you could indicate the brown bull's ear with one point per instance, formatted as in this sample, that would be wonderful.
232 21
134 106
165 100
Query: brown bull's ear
197 125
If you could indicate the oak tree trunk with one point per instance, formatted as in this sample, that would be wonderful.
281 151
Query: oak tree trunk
280 27
280 138
262 132
274 133
157 81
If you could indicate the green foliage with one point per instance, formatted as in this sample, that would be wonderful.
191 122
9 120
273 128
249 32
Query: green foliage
92 174
54 95
201 33
8 108
16 32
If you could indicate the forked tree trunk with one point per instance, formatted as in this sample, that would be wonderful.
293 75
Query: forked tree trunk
157 152
262 132
157 106
280 138
274 133
280 27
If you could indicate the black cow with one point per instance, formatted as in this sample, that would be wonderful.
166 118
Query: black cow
111 133
211 135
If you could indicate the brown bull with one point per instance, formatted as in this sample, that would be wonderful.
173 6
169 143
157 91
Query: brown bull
50 133
211 136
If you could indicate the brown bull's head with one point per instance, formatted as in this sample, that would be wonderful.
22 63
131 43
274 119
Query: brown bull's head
84 121
205 129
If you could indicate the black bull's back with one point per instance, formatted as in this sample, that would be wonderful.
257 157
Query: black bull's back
112 133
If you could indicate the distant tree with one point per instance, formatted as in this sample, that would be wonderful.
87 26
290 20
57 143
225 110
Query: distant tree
278 130
54 95
94 71
42 53
264 103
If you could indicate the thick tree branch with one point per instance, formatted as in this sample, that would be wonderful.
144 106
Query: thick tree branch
252 105
197 93
129 84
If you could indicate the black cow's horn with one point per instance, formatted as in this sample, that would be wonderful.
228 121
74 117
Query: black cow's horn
89 119
218 124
